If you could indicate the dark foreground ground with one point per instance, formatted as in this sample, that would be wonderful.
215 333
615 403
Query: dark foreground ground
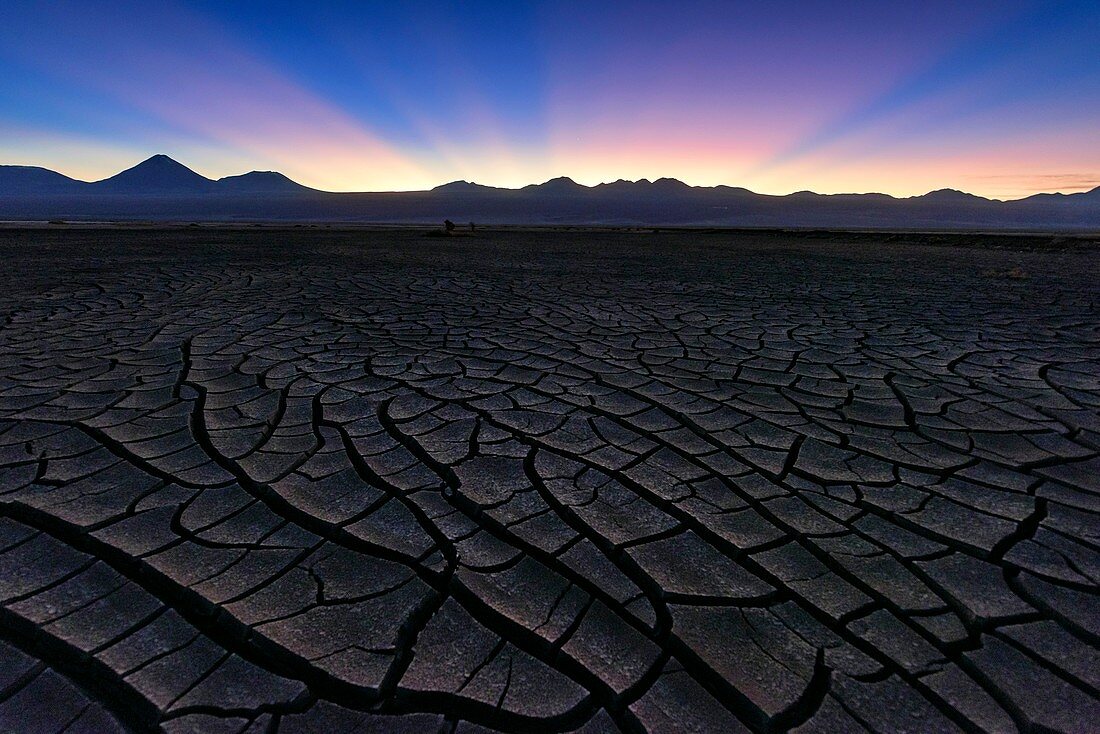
314 480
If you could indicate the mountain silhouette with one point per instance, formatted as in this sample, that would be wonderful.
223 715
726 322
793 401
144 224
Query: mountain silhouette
257 182
463 187
33 179
1091 195
161 188
158 174
950 196
562 185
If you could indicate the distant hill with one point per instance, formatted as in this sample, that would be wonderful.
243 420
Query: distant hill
261 182
161 188
951 196
464 187
157 175
24 180
561 186
1078 198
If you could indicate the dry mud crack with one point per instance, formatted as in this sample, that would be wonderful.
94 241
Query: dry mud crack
305 480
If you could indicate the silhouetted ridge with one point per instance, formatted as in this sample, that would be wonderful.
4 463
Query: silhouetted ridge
950 195
662 185
23 180
667 185
256 182
559 185
464 187
161 188
158 174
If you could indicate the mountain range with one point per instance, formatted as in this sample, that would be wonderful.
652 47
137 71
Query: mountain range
163 189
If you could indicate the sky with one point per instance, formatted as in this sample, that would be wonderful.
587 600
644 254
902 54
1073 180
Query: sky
1001 99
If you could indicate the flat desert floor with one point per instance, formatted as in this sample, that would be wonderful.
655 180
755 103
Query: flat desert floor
304 479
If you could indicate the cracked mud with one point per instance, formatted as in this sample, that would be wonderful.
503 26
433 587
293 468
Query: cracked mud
295 480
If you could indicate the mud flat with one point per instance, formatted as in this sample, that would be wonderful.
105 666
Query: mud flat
300 479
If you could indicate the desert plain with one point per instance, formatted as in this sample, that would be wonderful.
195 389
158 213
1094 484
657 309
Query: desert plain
303 479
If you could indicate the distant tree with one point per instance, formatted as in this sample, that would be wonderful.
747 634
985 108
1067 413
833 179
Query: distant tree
472 227
448 226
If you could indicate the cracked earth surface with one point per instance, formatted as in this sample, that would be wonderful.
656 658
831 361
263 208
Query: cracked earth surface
304 481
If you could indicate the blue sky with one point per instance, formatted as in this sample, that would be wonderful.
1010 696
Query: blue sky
1001 99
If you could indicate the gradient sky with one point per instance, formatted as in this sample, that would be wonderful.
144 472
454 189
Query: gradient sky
997 98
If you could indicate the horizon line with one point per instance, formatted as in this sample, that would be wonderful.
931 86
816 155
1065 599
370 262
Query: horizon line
562 178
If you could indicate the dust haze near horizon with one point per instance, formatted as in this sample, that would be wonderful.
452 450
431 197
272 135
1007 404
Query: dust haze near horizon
998 99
